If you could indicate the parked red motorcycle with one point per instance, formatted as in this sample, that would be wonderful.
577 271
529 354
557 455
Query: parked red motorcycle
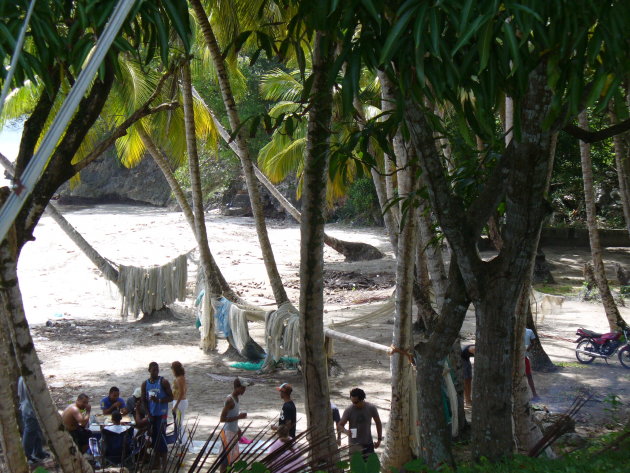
591 345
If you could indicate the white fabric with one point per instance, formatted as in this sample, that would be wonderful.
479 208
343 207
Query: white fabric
529 337
180 419
117 429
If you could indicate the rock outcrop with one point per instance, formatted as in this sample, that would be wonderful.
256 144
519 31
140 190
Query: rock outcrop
106 180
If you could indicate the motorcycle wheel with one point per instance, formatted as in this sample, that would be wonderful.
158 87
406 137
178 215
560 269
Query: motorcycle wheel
624 356
585 345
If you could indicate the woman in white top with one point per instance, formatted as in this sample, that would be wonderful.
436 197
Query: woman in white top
180 401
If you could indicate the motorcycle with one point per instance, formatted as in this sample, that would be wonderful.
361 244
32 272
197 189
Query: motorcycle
591 345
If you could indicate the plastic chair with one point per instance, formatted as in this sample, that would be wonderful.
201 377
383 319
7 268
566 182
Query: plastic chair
116 447
174 435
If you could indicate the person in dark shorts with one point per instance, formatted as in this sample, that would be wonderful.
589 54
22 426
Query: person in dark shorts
336 418
75 418
359 415
288 413
467 352
156 394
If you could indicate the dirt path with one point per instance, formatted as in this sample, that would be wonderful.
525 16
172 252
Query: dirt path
94 349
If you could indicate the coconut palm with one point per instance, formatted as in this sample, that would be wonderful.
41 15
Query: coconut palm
54 54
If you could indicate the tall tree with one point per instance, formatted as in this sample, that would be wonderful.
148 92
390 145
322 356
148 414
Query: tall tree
615 321
239 139
55 56
312 242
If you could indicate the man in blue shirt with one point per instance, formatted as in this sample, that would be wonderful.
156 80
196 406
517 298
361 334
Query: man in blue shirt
156 394
113 402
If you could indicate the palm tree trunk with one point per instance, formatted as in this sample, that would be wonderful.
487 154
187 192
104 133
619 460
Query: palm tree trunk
398 449
313 355
10 438
275 280
388 104
622 160
353 251
12 309
108 270
212 290
218 283
612 312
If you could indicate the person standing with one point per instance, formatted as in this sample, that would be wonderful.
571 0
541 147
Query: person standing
230 433
32 439
156 394
180 401
467 353
360 415
75 418
288 413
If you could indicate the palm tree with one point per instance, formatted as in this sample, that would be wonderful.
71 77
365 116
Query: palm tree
225 86
55 67
615 321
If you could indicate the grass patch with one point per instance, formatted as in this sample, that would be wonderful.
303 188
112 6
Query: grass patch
557 289
570 364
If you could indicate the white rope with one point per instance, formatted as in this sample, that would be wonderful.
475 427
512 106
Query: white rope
16 56
36 166
149 289
282 334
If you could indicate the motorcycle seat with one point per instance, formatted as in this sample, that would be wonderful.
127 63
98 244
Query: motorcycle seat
588 333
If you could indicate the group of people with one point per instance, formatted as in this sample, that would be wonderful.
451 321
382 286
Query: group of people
148 406
358 416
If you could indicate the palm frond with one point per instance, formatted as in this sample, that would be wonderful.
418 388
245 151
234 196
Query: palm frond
20 102
281 85
130 149
284 107
281 156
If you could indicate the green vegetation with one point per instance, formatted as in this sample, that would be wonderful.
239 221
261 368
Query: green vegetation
558 289
607 454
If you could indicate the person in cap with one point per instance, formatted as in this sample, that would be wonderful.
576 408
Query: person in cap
288 413
230 433
133 402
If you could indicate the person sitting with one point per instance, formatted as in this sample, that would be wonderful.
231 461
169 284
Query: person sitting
133 402
116 426
113 402
75 418
117 440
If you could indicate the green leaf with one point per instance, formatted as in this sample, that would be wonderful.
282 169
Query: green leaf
178 13
512 43
369 6
485 45
395 33
472 29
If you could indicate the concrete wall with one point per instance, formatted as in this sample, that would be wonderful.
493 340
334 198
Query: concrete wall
578 237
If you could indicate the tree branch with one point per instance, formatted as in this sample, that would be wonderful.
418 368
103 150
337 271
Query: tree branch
594 136
121 130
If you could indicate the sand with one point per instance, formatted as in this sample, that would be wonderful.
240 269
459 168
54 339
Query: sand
95 349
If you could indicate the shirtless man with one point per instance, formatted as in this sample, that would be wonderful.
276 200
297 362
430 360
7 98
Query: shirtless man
75 418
